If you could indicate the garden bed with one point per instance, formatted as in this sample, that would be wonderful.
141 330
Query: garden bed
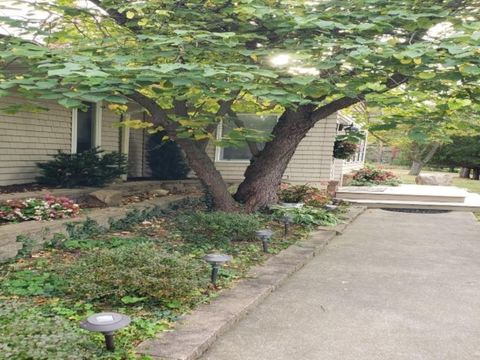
148 265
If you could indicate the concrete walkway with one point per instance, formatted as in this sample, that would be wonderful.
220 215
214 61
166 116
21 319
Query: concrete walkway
393 286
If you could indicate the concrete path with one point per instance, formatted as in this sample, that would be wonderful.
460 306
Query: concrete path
393 286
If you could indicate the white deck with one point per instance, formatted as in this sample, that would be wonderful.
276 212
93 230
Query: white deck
412 196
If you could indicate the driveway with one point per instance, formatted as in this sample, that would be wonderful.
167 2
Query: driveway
393 286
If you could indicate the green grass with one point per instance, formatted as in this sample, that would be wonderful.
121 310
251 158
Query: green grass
468 184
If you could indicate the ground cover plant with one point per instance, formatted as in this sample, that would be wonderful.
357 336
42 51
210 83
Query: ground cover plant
48 208
370 175
148 265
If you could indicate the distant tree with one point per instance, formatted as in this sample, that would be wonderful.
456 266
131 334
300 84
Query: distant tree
463 152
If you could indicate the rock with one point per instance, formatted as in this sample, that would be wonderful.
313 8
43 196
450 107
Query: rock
108 197
160 192
434 179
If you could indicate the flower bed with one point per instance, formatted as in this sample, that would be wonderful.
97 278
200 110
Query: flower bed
369 176
309 195
48 208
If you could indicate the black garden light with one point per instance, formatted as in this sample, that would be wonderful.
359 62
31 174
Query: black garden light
216 260
287 220
264 236
106 323
330 207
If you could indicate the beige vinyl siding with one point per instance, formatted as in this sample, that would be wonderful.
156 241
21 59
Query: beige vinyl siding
110 132
30 137
137 154
311 162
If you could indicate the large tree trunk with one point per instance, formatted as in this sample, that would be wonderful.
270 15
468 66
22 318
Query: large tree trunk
465 173
204 168
476 174
416 168
418 164
264 174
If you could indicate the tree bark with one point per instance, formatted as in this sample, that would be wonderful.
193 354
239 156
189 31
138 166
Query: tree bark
464 173
204 168
416 168
264 174
476 174
418 164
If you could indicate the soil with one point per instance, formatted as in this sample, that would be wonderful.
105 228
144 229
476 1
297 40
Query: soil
20 188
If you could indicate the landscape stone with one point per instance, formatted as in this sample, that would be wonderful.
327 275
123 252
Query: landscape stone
108 197
434 179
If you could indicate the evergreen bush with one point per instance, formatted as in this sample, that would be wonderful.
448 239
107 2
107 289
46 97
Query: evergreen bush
93 167
165 158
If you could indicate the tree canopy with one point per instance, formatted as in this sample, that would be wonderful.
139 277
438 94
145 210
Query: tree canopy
190 63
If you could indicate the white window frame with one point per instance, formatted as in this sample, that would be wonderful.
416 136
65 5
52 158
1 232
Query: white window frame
218 149
96 127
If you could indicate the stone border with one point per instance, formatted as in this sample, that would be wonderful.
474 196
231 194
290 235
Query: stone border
198 330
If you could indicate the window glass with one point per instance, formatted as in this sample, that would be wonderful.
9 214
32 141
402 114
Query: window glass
251 121
85 121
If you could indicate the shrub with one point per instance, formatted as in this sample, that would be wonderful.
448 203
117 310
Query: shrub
165 158
29 334
92 167
48 208
217 228
136 273
374 176
309 195
306 216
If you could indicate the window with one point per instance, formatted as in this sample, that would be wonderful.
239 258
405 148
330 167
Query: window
252 121
86 127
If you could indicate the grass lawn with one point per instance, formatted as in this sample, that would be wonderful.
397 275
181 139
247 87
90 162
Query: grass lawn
149 266
402 173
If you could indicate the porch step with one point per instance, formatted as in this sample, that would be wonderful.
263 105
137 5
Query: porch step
470 203
404 193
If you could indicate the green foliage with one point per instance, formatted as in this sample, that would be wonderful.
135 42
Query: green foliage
463 151
217 228
293 193
306 216
228 50
370 175
84 229
28 245
135 217
29 334
165 158
92 167
143 272
32 283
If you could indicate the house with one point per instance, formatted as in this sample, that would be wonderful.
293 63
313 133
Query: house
28 137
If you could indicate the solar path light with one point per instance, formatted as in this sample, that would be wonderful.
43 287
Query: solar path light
287 220
106 323
330 207
264 236
216 260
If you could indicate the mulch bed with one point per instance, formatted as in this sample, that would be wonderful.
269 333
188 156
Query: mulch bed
20 188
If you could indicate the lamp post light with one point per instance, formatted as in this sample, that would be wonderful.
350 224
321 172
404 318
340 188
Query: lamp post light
216 260
287 220
264 236
106 323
